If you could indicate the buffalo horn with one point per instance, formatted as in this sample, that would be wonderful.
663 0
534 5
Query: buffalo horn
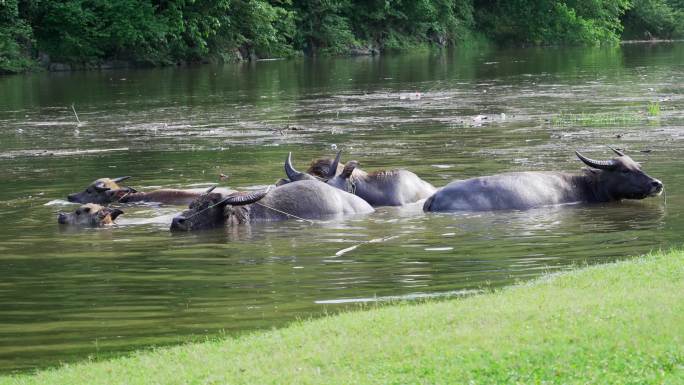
599 164
210 189
293 174
618 152
333 166
120 179
245 199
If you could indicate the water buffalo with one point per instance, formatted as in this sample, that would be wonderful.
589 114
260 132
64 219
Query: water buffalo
307 199
605 181
89 215
106 190
381 188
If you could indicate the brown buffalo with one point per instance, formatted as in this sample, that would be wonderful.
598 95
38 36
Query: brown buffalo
89 215
106 190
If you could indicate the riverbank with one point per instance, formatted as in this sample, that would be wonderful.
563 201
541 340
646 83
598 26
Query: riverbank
81 34
616 323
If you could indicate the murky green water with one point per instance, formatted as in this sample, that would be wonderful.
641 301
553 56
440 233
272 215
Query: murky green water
68 295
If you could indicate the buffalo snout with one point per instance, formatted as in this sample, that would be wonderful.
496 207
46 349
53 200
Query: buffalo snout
62 219
179 223
656 187
74 198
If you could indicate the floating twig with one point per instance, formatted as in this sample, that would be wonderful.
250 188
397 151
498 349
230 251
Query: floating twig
74 109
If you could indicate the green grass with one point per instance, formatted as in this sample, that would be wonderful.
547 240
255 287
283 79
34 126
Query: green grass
595 119
654 109
621 323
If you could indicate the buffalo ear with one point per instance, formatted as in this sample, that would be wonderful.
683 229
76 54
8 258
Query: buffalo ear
591 171
115 213
282 181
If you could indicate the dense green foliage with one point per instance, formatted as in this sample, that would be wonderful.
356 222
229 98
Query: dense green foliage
15 38
546 22
158 32
655 18
615 324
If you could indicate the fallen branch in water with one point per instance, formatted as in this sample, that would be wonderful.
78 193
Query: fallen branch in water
375 240
74 109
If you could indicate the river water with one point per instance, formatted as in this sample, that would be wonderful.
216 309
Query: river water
73 295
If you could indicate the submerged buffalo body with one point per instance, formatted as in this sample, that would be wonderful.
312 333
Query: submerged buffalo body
89 215
106 190
606 181
383 188
307 199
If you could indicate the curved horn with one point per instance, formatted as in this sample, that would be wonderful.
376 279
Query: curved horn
245 199
293 174
332 170
600 164
120 179
210 189
618 152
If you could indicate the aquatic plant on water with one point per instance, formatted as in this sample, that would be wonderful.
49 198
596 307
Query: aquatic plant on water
654 109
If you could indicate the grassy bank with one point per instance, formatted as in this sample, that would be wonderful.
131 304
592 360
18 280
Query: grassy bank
617 323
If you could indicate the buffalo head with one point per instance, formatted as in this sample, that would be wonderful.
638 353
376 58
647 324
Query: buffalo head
89 215
621 178
323 168
102 191
212 210
343 180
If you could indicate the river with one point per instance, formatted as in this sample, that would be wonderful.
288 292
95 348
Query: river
74 295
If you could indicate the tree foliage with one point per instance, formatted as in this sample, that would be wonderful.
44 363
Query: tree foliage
655 18
15 38
552 22
169 31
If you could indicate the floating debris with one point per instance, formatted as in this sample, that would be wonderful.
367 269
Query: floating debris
410 96
14 154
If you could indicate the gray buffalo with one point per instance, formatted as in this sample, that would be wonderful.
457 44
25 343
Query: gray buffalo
307 199
381 188
89 215
605 181
106 190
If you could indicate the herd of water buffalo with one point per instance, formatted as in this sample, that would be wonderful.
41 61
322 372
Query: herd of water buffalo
330 188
